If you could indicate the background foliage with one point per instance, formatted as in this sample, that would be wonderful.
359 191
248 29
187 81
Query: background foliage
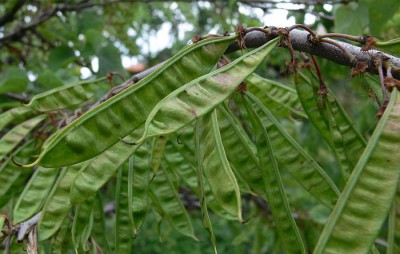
51 44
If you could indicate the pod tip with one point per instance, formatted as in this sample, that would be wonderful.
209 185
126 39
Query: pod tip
26 165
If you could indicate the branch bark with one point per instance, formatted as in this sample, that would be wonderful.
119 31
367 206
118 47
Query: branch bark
300 42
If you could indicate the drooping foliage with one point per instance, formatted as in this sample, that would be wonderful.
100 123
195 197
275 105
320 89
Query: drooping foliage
284 156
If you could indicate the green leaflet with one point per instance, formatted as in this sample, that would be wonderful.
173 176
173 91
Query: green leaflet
101 169
12 177
58 203
200 183
64 96
375 177
82 224
216 166
12 138
281 100
128 110
168 203
202 95
123 226
141 181
276 195
240 151
35 194
14 115
293 158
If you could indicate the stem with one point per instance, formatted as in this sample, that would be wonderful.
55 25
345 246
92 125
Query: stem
309 30
358 39
384 91
322 86
347 53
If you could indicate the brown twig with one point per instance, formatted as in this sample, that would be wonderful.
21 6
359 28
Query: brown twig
335 43
309 30
359 39
378 63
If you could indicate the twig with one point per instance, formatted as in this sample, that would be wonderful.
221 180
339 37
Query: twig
309 30
322 86
358 39
300 42
335 43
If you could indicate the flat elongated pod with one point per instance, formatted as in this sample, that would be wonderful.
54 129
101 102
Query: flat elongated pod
103 126
99 232
281 99
35 194
123 225
312 106
276 194
180 157
168 203
91 178
140 186
331 120
157 152
202 95
58 204
347 142
397 219
60 241
82 224
14 115
202 194
292 157
241 152
216 166
12 177
12 138
375 177
64 96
